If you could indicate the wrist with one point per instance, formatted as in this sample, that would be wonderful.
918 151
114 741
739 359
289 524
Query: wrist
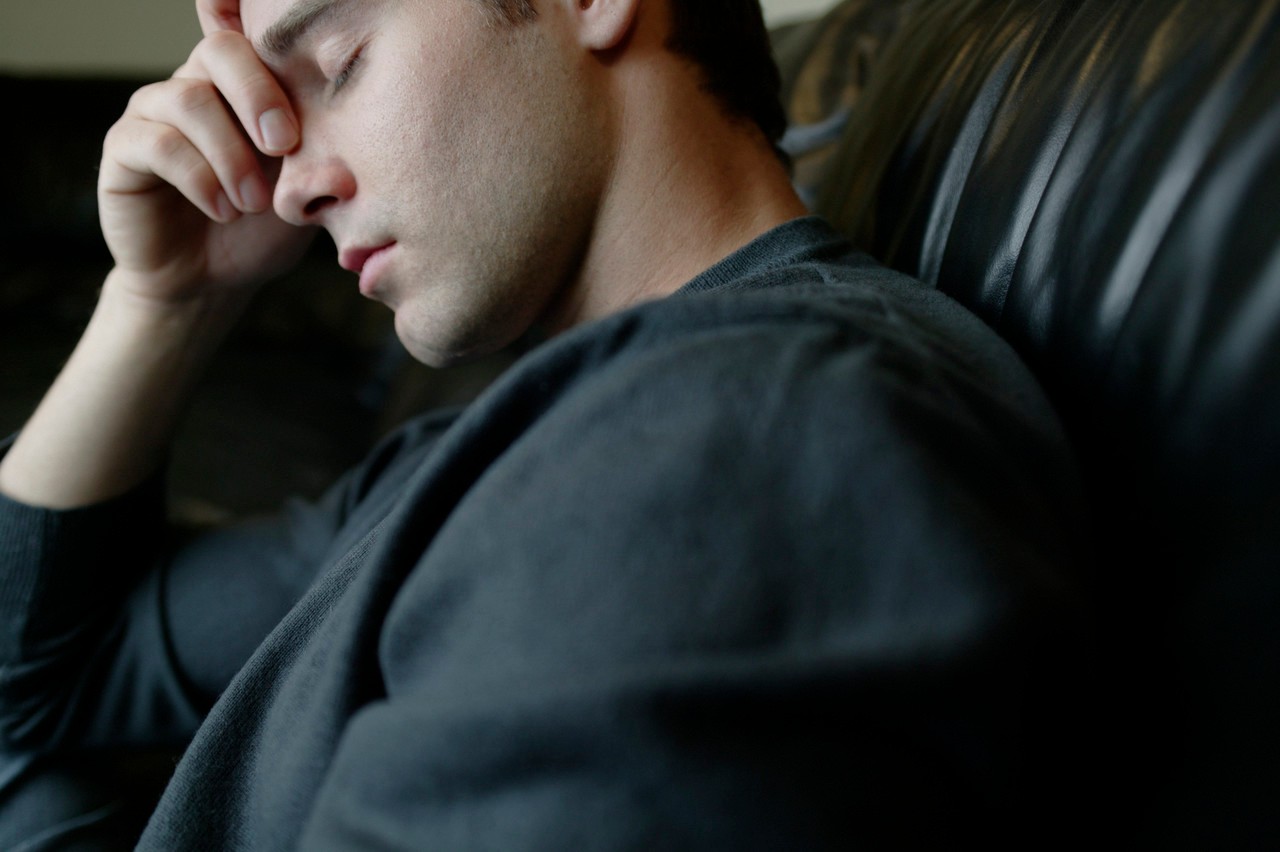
107 420
146 299
193 324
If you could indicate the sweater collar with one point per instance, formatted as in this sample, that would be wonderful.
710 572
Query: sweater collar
796 241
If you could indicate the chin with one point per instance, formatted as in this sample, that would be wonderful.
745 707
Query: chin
439 344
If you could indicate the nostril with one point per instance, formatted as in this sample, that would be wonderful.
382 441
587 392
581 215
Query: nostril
315 205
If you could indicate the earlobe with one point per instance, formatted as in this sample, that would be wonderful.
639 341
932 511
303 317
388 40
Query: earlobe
604 24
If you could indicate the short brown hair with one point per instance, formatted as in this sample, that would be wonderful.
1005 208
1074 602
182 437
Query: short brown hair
513 11
728 42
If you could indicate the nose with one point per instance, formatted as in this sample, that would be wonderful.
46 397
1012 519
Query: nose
310 184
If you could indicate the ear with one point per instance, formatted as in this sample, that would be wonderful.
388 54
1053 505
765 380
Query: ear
603 24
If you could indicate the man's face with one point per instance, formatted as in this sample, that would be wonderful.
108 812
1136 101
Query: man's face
469 148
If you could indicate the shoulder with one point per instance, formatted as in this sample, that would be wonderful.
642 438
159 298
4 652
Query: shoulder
820 346
859 388
701 468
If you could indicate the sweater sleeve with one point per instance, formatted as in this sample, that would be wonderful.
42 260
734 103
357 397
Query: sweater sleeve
115 629
798 587
67 579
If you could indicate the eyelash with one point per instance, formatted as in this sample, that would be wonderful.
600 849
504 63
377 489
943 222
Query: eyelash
345 74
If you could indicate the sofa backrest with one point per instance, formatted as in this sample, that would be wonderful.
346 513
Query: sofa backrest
1100 182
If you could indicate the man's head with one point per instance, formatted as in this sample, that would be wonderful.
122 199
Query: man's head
485 163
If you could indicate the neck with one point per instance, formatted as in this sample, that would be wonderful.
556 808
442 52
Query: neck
683 193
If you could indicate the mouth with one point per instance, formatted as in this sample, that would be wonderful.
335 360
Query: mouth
367 262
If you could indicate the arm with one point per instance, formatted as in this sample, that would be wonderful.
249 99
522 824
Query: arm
185 204
114 633
184 198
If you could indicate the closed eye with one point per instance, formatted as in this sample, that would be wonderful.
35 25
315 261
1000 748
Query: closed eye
344 75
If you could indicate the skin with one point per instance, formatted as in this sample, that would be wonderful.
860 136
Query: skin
491 208
553 172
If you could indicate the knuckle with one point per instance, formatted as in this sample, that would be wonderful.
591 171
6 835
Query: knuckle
246 86
141 97
113 137
194 95
167 143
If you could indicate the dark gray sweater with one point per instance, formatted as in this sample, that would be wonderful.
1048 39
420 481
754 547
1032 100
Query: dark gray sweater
781 561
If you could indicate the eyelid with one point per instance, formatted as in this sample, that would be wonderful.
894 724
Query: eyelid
342 77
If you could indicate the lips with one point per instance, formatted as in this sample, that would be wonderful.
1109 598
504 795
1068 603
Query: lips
367 262
354 259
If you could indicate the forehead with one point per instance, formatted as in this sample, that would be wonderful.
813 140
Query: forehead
257 15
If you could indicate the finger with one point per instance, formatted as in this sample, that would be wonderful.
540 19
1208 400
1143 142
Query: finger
218 15
196 110
141 155
254 94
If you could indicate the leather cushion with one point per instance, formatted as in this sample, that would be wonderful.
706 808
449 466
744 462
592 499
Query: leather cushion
1100 181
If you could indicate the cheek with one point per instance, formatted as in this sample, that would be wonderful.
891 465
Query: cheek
415 136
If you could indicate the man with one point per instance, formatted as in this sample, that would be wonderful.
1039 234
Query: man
763 548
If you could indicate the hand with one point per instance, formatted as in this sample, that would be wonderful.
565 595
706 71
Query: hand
187 173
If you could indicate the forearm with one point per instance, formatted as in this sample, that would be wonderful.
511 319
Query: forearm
106 422
81 655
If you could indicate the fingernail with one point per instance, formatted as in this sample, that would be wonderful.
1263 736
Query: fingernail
253 195
278 131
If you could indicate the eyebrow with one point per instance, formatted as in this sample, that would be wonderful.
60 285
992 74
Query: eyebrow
282 37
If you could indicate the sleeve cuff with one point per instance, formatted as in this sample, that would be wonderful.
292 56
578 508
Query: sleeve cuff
58 566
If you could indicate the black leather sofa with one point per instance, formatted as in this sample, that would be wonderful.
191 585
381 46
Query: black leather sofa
1100 181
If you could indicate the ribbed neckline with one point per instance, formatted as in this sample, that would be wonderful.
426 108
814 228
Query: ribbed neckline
787 244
